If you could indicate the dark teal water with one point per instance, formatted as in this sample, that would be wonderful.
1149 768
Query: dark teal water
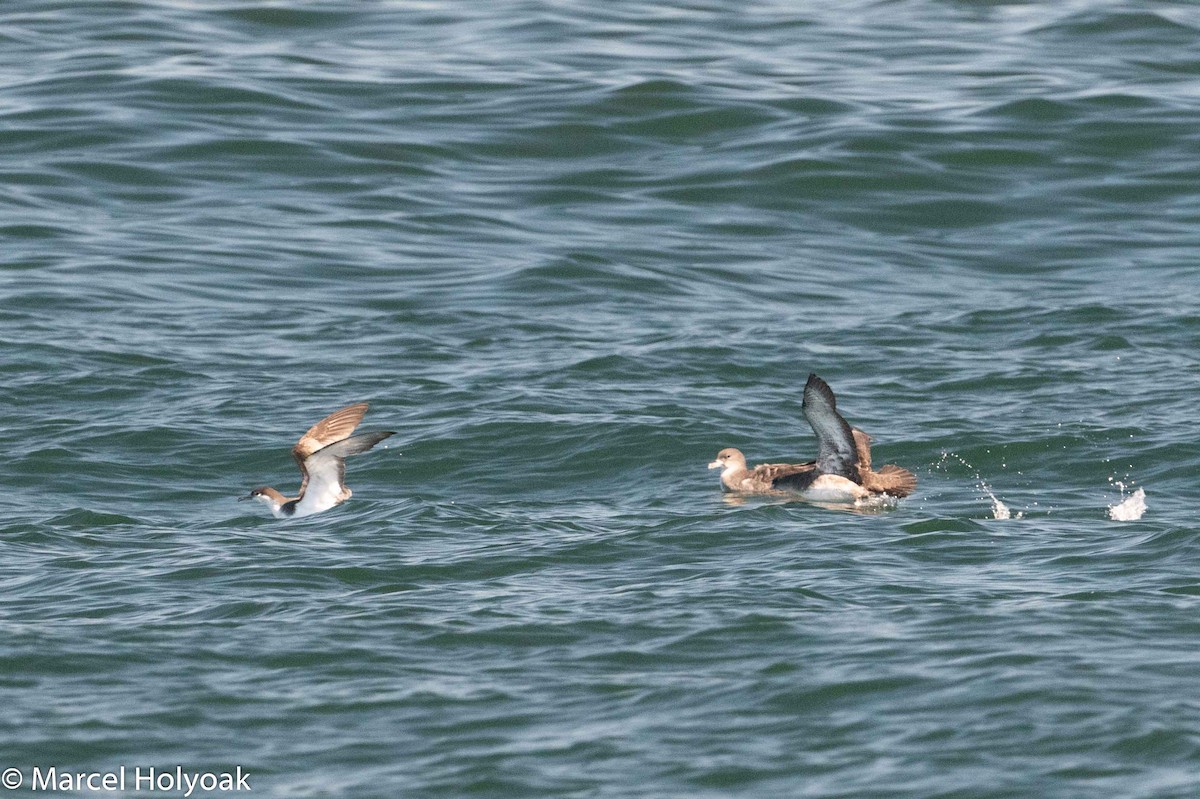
568 251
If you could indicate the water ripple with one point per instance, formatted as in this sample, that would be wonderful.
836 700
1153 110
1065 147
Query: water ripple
568 251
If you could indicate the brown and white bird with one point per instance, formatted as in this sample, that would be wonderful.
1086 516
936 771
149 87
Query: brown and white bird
842 471
321 454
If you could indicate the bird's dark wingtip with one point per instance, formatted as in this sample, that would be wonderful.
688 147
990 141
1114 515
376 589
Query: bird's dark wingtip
818 386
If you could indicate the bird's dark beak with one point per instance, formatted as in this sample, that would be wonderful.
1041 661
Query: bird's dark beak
243 499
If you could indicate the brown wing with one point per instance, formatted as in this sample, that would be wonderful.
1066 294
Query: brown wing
768 474
890 479
333 428
862 443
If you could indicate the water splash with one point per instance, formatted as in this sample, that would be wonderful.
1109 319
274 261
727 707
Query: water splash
877 503
999 509
1131 507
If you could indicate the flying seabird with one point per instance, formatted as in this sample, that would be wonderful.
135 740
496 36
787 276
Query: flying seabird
842 471
321 454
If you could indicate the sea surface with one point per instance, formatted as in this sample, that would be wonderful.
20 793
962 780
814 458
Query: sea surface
568 250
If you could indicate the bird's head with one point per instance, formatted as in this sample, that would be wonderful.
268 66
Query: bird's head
265 495
729 458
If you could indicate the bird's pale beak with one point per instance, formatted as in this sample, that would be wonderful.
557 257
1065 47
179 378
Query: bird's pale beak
715 465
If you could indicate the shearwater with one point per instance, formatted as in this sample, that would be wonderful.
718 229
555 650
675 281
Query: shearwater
321 454
842 471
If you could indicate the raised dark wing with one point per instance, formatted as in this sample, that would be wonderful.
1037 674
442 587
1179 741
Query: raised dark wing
836 451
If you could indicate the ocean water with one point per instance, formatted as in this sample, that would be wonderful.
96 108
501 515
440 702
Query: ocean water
568 251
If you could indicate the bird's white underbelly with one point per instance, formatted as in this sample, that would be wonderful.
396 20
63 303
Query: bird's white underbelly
834 488
316 501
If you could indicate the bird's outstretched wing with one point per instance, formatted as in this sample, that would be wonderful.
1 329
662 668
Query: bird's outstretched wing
836 450
334 427
325 471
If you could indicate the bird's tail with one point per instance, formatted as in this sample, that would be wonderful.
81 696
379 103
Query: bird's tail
890 479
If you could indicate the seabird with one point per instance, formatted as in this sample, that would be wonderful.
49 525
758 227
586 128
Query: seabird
321 454
842 471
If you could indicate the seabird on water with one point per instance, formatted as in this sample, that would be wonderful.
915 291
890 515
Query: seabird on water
321 454
842 471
